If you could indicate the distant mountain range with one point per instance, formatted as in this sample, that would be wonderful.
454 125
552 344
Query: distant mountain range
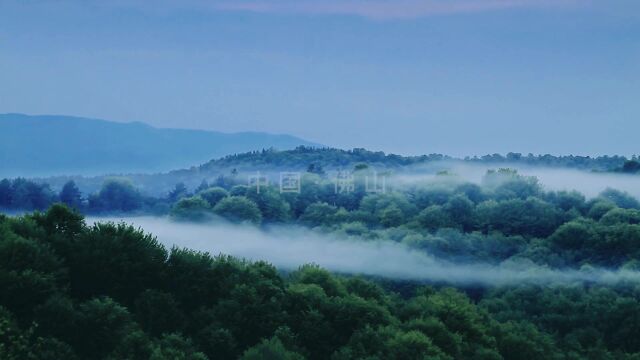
47 145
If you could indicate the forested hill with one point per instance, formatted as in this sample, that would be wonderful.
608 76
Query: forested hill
318 160
337 158
65 145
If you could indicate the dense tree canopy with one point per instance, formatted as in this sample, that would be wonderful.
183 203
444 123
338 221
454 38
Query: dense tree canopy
238 208
108 291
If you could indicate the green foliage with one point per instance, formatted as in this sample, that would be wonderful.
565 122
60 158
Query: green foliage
238 208
319 214
24 194
508 184
117 260
631 167
585 320
390 209
621 199
523 341
116 195
460 208
103 326
178 192
574 235
213 195
620 216
111 291
568 200
599 208
532 216
270 350
330 158
191 208
70 195
435 217
158 312
175 347
611 242
271 203
238 190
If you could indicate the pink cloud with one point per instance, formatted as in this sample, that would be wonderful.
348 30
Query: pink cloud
386 9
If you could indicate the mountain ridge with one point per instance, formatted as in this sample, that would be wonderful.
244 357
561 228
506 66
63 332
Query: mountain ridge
60 144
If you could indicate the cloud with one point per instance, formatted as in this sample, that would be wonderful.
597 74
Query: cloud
386 9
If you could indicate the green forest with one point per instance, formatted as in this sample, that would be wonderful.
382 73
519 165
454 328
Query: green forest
73 289
111 291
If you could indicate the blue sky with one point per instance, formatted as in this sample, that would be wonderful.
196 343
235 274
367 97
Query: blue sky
461 77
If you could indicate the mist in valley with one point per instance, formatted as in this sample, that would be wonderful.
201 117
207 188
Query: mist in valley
588 183
288 247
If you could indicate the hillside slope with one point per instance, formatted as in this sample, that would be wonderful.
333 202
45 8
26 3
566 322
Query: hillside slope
54 145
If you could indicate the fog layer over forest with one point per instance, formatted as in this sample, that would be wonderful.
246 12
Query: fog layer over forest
290 247
552 179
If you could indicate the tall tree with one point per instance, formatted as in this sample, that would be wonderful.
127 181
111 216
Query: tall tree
71 195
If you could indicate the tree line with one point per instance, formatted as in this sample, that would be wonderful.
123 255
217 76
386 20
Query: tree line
335 158
506 216
115 195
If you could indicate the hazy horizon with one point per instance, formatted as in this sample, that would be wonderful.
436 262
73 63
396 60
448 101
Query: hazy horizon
460 156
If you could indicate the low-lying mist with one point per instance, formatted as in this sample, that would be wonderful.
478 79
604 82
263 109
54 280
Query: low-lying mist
289 247
552 179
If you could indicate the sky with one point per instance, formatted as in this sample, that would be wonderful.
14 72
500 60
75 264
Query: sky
460 77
